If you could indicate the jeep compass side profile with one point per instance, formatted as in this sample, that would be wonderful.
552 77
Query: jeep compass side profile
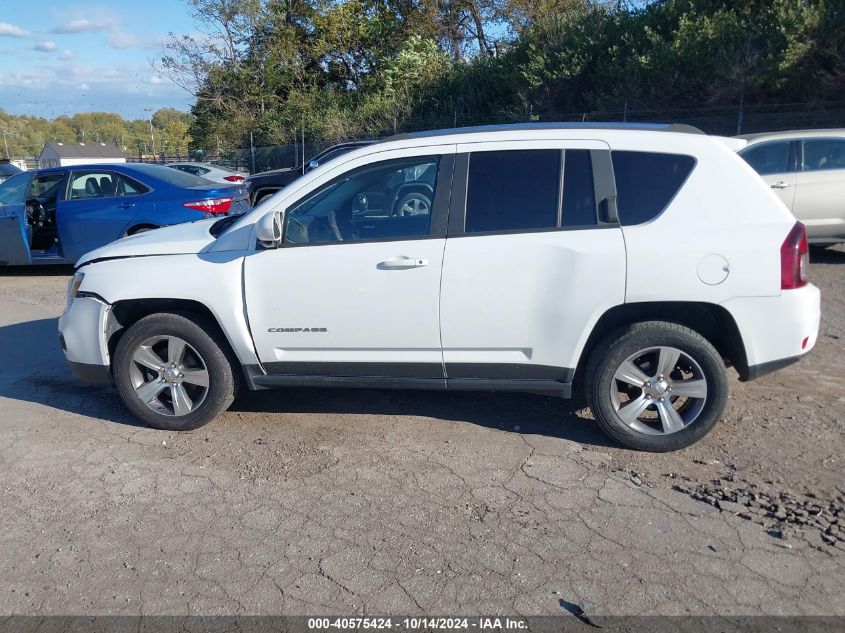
635 263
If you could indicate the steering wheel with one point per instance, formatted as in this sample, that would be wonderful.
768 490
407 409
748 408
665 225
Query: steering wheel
36 214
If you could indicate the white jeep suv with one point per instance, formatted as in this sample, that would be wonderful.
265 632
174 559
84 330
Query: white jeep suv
632 262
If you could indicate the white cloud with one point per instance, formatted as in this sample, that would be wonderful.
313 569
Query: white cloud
122 39
10 30
155 79
45 47
83 25
66 55
84 87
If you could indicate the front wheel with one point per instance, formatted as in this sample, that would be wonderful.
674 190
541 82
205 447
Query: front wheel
656 386
172 372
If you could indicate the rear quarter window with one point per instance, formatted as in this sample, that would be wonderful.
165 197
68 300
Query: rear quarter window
646 182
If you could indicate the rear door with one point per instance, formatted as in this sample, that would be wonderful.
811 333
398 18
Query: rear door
776 162
533 258
820 194
91 214
15 232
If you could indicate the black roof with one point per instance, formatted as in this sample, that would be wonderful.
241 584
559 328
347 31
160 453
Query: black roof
84 150
506 127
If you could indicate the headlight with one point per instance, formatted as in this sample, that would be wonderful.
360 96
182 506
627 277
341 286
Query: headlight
73 287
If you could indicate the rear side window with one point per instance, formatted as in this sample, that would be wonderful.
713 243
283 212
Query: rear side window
823 154
513 190
129 187
768 158
646 182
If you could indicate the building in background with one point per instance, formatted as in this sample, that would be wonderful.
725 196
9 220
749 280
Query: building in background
57 154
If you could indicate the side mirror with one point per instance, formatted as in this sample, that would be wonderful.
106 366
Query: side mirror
268 230
312 164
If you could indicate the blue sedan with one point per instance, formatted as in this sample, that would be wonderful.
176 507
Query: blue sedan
54 216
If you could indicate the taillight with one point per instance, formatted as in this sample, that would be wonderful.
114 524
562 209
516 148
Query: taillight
215 205
794 258
234 178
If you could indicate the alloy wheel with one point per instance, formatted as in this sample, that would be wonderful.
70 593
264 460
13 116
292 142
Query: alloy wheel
169 376
659 390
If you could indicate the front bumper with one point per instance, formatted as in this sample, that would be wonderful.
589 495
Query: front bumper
84 340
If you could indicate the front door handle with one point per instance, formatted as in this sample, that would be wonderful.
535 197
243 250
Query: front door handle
402 263
126 205
780 184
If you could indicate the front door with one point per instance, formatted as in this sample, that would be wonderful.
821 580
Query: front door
354 289
15 231
91 214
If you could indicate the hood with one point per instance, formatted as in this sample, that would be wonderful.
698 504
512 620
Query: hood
179 239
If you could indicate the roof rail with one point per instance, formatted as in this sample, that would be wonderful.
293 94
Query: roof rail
504 127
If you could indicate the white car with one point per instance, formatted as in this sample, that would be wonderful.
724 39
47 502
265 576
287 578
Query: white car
806 169
214 173
634 263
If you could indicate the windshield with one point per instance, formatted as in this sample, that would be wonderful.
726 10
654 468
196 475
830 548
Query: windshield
171 176
13 191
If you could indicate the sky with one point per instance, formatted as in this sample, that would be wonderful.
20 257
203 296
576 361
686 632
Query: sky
67 56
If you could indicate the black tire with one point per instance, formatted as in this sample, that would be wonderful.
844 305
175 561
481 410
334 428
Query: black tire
204 337
618 346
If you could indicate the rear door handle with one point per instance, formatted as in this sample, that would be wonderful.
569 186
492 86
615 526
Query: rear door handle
402 263
780 184
126 205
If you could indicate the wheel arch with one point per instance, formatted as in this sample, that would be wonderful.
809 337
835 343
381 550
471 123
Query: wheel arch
140 226
127 312
712 321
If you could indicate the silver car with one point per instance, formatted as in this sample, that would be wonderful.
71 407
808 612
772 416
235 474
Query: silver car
214 173
806 168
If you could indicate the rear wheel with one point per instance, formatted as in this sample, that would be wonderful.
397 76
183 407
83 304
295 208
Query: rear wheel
172 372
656 386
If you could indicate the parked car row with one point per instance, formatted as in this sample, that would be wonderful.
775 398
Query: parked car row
54 216
497 258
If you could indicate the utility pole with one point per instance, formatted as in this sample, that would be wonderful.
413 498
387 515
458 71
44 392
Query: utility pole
152 137
303 142
252 152
6 143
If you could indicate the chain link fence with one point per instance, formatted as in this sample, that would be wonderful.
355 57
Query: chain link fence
720 120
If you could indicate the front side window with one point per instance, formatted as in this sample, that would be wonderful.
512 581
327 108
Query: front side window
513 190
386 200
823 154
90 184
768 158
646 182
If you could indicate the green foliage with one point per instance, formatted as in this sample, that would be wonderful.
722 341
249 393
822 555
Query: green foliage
26 136
353 68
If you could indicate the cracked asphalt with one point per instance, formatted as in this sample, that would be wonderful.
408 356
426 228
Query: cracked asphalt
401 503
